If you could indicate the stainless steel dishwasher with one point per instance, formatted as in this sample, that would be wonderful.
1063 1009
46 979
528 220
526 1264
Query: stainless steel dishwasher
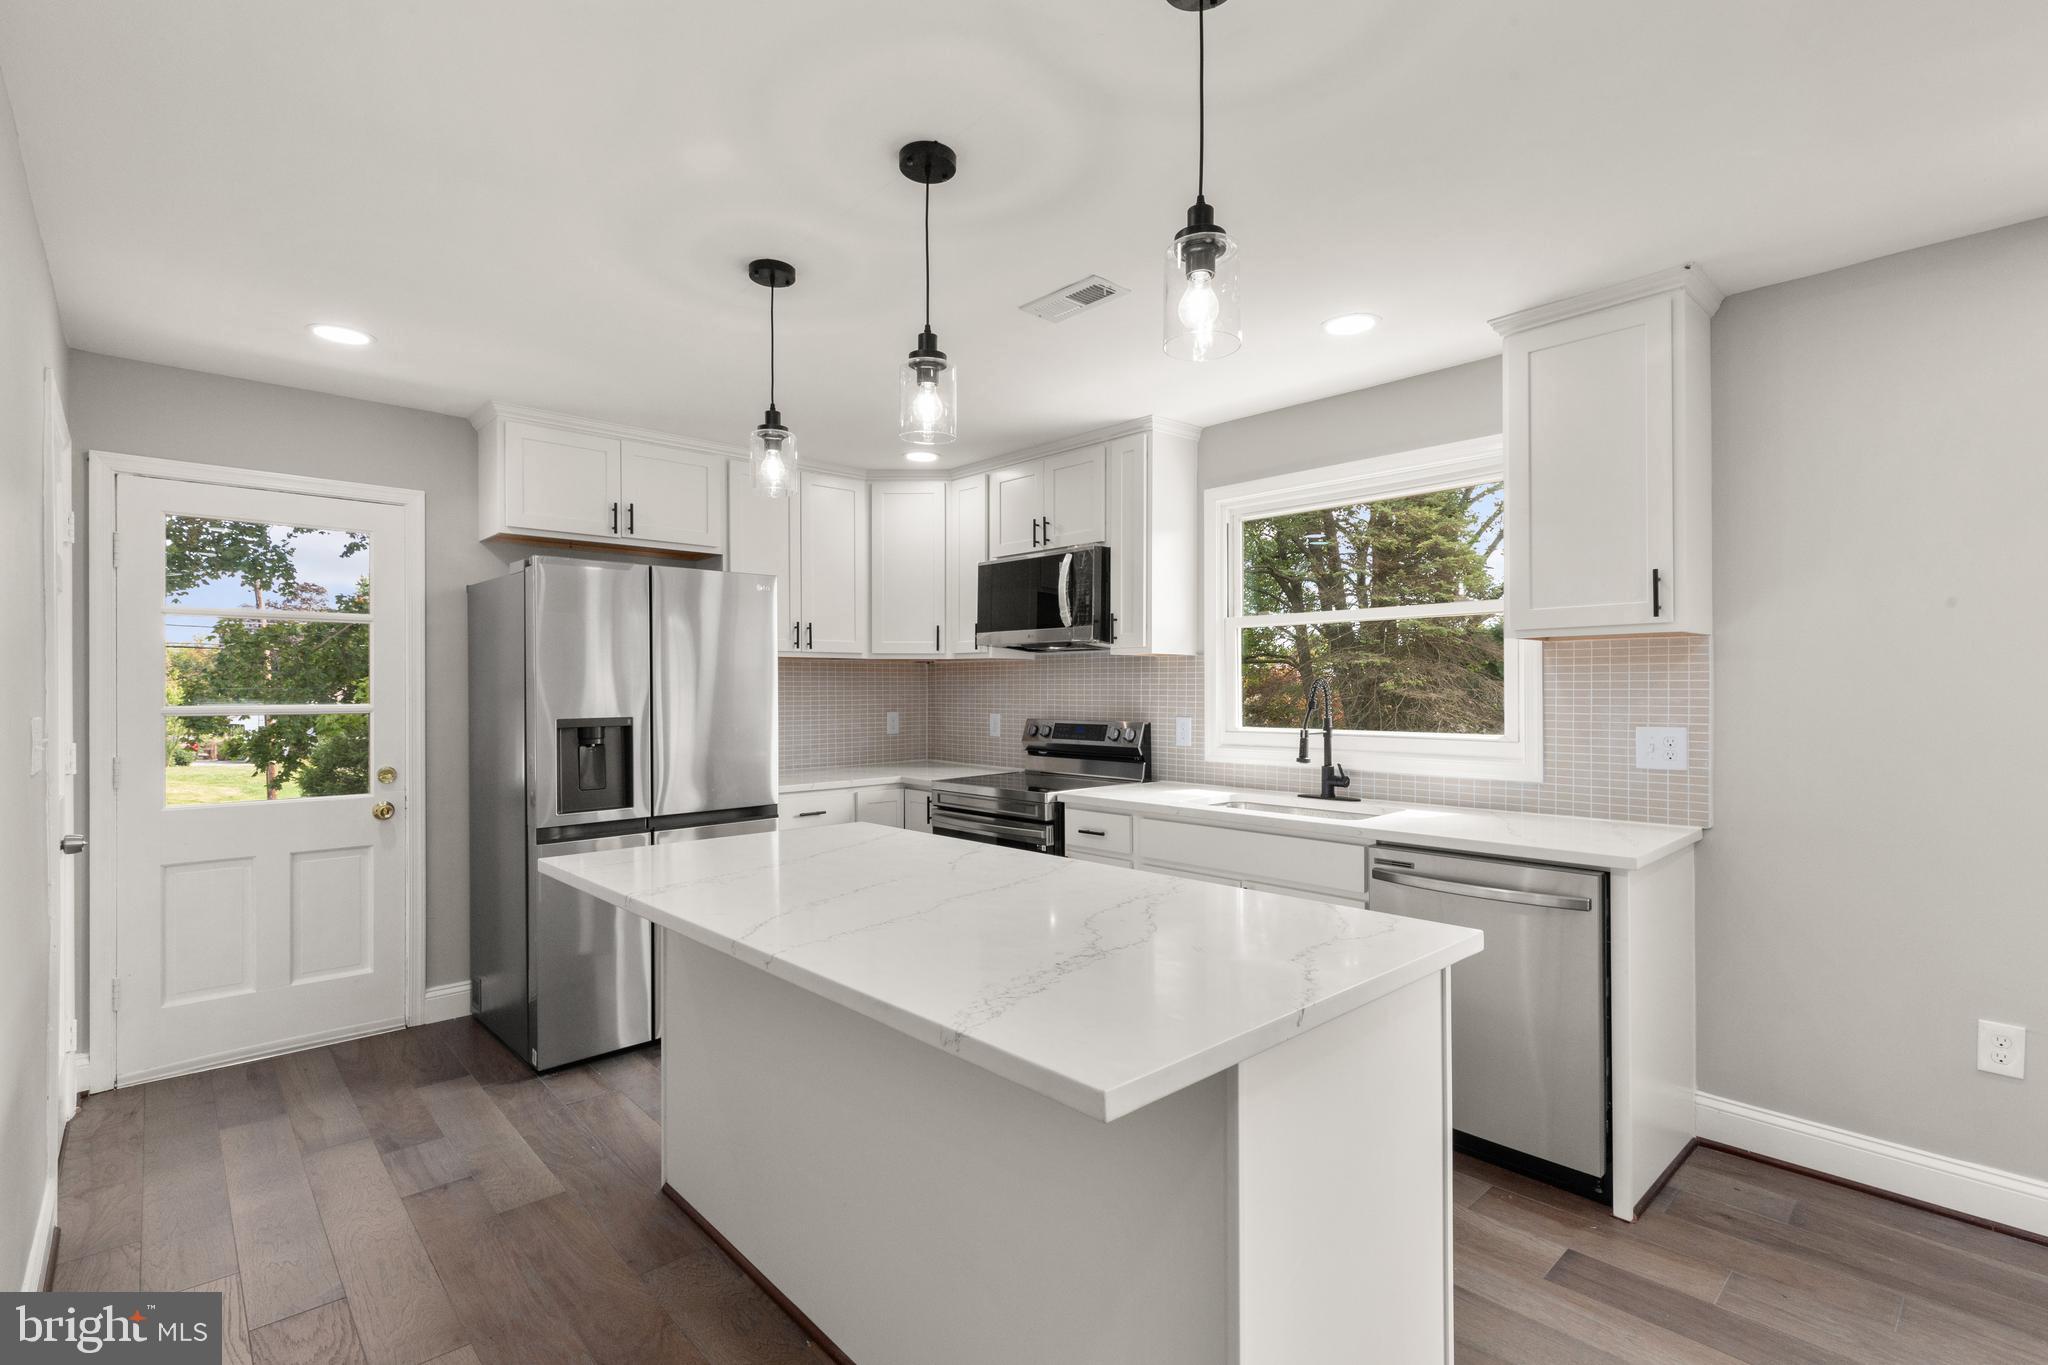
1529 1034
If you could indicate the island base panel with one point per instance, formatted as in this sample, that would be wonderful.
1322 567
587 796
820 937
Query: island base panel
923 1211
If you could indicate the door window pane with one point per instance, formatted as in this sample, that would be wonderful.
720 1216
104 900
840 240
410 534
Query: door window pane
210 563
1429 547
280 660
214 760
1433 675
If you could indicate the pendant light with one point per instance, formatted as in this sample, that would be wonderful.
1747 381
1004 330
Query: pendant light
771 450
1201 320
928 388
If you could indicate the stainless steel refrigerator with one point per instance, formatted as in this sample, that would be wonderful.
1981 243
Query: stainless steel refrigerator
611 706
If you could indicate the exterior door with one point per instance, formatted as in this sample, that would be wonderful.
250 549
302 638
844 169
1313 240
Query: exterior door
262 723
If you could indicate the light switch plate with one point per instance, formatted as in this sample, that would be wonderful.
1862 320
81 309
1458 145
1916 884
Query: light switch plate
895 722
1183 731
995 725
1662 746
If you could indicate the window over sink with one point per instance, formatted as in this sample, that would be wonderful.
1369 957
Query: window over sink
1388 576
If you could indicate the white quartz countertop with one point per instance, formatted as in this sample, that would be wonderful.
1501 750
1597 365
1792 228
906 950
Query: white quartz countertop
1617 844
916 773
1100 987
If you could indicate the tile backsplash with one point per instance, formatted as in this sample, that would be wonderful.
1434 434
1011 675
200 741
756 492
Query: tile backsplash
1595 692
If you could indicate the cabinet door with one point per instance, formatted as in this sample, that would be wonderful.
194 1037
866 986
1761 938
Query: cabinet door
804 810
917 811
879 806
1076 508
908 581
966 548
561 481
1016 502
834 551
1129 546
1590 451
762 538
676 497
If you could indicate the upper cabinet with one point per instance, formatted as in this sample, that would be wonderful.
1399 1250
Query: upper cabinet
907 567
833 534
967 522
765 539
1152 517
1609 458
559 479
1048 502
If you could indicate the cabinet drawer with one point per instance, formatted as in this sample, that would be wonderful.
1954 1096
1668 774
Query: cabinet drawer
879 806
802 810
1075 855
1269 859
1093 831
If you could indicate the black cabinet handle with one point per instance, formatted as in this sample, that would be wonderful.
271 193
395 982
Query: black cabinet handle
1096 832
796 635
938 638
1048 529
615 518
1656 592
807 814
629 518
810 635
1034 533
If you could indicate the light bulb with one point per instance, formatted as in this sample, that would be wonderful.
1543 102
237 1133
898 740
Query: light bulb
1198 310
928 407
772 469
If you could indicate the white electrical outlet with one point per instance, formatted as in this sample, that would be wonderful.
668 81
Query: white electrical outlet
1183 731
995 725
895 722
2001 1049
1662 746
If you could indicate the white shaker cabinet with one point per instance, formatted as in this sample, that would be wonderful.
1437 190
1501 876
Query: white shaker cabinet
966 547
1609 455
1048 502
908 589
556 480
765 540
545 477
1153 527
671 496
1016 510
833 568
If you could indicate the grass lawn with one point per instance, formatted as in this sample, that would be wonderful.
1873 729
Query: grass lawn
210 784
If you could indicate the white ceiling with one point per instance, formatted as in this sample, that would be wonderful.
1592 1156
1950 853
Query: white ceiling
552 203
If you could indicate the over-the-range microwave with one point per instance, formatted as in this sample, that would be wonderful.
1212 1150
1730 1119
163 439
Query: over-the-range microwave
1056 599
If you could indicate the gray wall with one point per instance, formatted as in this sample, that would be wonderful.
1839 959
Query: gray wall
139 409
31 342
1873 884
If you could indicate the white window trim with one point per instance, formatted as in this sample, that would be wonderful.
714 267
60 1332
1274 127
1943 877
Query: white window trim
1516 756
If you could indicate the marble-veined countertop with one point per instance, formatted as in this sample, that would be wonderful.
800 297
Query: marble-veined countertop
1100 987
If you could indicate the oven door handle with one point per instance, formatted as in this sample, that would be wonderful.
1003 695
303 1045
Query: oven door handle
1009 831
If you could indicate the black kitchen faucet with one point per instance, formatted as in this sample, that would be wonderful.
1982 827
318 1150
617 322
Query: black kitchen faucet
1334 776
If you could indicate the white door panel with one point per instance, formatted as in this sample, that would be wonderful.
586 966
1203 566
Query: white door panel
908 593
1016 510
1075 503
557 480
673 496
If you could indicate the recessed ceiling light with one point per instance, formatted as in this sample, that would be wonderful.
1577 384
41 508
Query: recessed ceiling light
920 456
339 335
1351 324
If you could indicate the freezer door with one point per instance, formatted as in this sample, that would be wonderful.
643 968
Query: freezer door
591 982
714 691
587 687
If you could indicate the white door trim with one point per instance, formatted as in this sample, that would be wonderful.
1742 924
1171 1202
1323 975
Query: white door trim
101 468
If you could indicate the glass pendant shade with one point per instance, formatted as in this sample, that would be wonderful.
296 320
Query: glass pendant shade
928 399
1201 320
771 459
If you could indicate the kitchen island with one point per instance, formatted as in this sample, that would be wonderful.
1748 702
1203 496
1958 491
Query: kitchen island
955 1102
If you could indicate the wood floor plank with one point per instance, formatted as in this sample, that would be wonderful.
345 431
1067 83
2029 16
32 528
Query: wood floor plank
624 1128
187 1236
383 1074
647 1233
98 1219
319 1336
322 1111
193 1088
726 1314
248 1093
97 1110
1931 1331
1488 1332
1870 1339
506 1168
608 1305
1598 1234
509 1321
110 1154
1601 1326
1685 1316
424 1166
483 1057
1737 1190
1829 1286
116 1270
234 1326
465 1356
1465 1189
402 1316
636 1075
572 1084
285 1263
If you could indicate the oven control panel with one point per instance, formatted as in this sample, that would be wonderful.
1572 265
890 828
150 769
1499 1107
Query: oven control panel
1119 733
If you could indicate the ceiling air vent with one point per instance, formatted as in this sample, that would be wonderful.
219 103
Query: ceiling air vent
1062 304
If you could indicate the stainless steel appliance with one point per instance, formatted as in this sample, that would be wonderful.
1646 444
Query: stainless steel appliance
1058 600
1022 808
1529 1079
611 705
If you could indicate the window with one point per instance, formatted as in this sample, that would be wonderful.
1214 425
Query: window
1387 577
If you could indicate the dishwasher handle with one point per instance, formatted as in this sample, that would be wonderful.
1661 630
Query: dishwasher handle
1481 891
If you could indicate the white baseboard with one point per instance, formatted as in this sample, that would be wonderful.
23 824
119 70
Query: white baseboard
445 1002
39 1243
1964 1186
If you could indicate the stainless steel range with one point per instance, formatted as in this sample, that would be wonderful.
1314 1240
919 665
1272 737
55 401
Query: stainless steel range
1022 808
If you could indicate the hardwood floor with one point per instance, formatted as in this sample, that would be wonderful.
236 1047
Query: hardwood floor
421 1198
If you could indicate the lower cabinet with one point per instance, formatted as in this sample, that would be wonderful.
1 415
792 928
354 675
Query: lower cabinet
1285 865
879 806
1097 858
917 811
802 810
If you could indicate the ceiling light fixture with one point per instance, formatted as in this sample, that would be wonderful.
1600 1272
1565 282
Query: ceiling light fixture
1351 324
920 456
1201 264
928 389
340 335
771 450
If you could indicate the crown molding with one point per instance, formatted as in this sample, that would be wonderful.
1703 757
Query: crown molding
1689 278
495 411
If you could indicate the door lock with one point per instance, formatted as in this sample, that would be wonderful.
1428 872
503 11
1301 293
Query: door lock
383 810
387 775
71 843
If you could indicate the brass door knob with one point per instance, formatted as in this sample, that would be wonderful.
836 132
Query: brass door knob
387 775
383 810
